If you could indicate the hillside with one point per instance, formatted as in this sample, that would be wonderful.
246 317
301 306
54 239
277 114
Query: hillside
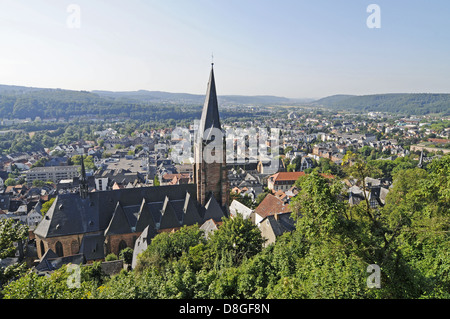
411 104
158 96
27 102
24 102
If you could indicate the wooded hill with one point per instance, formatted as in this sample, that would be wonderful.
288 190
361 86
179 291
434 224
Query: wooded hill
410 104
26 102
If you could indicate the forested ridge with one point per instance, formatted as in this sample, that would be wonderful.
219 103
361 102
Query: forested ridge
23 102
411 104
327 256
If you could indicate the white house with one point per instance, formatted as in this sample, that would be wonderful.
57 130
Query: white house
34 216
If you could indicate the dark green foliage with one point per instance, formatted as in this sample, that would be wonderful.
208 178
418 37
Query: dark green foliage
10 233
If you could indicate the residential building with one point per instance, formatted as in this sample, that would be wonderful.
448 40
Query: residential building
269 206
273 226
53 173
283 180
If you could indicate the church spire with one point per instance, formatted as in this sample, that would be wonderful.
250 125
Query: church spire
210 114
210 171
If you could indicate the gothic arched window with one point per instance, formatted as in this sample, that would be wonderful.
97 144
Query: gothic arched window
59 249
42 248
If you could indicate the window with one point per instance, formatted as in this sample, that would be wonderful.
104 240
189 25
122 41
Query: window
42 248
59 249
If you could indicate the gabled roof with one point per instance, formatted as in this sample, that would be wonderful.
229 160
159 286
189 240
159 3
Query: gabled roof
51 261
119 222
168 216
286 176
280 223
271 205
49 254
213 210
70 214
191 214
145 218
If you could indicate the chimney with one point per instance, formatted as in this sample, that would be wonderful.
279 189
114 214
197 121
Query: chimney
276 216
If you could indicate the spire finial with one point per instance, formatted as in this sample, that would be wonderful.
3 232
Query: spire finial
212 59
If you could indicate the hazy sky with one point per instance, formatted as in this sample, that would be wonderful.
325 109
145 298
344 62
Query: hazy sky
298 49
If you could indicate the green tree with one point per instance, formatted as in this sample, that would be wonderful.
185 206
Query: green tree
111 257
237 238
11 233
88 161
156 181
126 255
165 247
46 206
10 182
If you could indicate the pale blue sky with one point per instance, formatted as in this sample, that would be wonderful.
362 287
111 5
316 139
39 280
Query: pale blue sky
298 49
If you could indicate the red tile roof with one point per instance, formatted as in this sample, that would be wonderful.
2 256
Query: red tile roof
287 176
292 176
271 205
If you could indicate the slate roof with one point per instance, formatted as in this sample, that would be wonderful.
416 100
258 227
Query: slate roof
126 210
280 223
92 246
119 222
213 210
50 261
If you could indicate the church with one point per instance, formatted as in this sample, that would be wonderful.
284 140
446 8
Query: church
95 224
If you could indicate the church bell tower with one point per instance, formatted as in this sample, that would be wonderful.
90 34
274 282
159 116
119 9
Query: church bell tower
210 169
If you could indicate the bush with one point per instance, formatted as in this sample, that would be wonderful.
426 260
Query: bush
111 257
127 255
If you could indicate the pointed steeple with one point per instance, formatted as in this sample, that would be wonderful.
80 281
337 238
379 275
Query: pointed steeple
210 171
210 114
84 188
